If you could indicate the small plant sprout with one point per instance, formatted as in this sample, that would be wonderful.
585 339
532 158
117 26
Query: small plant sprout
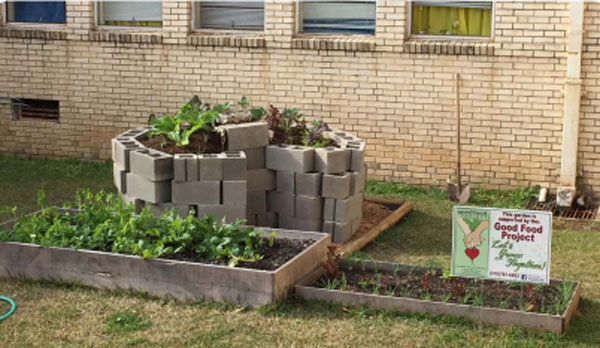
446 274
271 239
445 298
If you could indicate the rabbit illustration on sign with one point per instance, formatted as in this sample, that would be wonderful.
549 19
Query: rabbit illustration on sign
472 238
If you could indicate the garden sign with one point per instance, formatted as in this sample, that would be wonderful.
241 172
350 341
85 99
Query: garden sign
501 244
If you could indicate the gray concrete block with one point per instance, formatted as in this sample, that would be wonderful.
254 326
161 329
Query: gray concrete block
357 149
260 180
268 219
256 202
347 209
308 184
329 209
158 209
120 178
281 203
331 160
150 191
255 158
233 192
294 158
230 213
357 182
336 186
137 203
122 151
342 232
356 224
296 223
234 165
152 165
307 207
328 227
246 135
196 192
251 219
210 167
185 167
284 181
285 221
113 145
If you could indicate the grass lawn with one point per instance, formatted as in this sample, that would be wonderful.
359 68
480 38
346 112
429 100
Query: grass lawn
69 315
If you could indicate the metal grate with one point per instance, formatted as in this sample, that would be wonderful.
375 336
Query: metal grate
37 108
572 213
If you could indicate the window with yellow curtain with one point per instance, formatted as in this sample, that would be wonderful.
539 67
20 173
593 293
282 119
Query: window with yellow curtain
458 18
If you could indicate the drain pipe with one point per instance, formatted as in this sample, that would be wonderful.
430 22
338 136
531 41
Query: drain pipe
570 134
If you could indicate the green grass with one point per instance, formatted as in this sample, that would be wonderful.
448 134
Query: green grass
130 321
69 315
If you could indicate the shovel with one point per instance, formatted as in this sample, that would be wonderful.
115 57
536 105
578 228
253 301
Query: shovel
457 192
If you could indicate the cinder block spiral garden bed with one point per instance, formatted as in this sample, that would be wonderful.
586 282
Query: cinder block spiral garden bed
389 286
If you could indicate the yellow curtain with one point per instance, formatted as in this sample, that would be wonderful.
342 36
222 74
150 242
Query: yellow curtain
438 20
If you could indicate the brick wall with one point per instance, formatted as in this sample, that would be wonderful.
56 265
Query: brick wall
396 93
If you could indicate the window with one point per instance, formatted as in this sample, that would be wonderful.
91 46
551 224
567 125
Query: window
457 18
36 11
35 108
337 17
226 15
130 13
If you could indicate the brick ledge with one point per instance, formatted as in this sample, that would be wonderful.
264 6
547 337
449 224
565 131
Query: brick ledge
226 40
340 43
46 33
456 47
126 36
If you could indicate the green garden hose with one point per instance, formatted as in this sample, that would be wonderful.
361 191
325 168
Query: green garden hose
11 310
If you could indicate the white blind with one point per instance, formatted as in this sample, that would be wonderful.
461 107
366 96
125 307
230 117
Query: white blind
243 15
131 11
352 17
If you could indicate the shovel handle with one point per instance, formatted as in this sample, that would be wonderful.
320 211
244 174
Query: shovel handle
457 89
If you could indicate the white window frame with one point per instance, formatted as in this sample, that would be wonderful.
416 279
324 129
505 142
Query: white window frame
223 31
299 20
122 27
5 22
410 35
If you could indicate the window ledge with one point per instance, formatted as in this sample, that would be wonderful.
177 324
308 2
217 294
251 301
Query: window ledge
43 32
450 47
341 43
127 36
227 39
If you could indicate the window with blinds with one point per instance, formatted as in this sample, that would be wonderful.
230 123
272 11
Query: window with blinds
229 15
456 18
36 11
337 17
130 13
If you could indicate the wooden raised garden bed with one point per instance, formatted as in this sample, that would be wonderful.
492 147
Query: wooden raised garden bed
183 280
309 290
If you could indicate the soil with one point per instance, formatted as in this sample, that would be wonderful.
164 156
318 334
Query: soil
431 285
373 214
273 257
214 144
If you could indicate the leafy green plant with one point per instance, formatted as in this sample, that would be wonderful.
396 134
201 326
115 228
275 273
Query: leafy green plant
445 298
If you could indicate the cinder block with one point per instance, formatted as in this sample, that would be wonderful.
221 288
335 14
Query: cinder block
310 208
119 178
234 165
356 224
336 186
308 225
342 232
210 167
281 203
294 158
255 158
251 219
329 209
357 149
122 151
308 184
286 221
284 181
137 203
180 209
347 209
196 192
185 167
331 160
357 181
268 219
256 202
152 165
114 144
260 180
328 227
233 192
150 191
246 135
230 213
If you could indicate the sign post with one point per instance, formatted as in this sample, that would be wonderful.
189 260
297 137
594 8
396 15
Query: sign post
501 244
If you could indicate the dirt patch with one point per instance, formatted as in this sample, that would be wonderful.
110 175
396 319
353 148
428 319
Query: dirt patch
432 285
214 144
273 257
373 214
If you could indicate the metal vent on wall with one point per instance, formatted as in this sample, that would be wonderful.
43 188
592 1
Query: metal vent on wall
36 108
